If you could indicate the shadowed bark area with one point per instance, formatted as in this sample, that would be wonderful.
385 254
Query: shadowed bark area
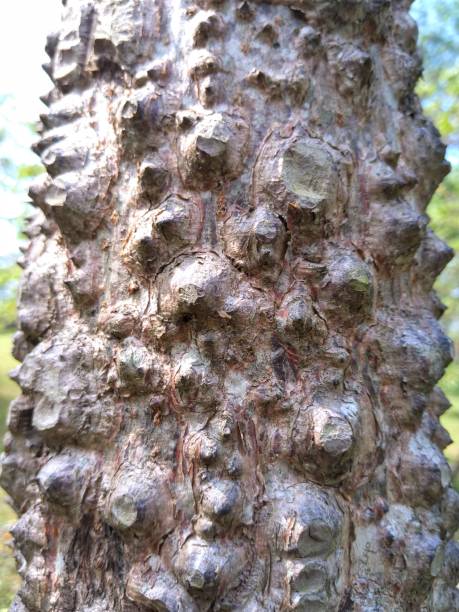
228 333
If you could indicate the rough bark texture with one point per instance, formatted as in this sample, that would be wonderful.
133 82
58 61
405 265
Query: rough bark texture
227 326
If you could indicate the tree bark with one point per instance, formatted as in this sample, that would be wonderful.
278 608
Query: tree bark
228 333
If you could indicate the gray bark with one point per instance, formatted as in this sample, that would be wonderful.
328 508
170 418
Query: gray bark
228 333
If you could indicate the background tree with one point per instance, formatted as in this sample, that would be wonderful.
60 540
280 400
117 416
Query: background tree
248 206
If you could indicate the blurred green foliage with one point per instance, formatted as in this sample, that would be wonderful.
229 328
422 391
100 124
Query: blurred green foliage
9 580
438 22
9 276
444 213
14 179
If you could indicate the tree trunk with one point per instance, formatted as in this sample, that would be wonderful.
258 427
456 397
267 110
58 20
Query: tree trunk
227 326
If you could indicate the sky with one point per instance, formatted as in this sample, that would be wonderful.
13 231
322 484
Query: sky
24 26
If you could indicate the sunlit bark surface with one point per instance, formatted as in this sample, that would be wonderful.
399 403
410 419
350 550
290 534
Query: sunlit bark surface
228 334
